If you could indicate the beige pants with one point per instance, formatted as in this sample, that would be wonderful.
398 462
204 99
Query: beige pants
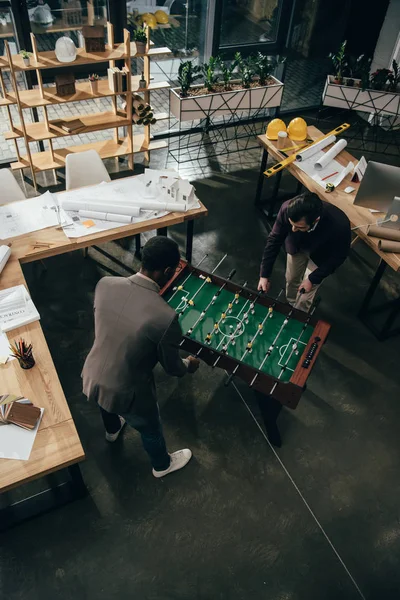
298 267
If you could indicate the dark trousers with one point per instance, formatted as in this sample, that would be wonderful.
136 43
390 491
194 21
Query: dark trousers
150 429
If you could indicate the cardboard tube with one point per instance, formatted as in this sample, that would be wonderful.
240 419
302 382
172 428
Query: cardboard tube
389 246
384 233
307 152
330 155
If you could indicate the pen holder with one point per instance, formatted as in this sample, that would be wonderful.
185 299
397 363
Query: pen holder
27 362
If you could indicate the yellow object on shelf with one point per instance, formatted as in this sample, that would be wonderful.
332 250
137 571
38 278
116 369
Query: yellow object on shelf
297 129
149 19
274 127
161 17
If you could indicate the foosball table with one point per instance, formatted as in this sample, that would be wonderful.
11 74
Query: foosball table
267 343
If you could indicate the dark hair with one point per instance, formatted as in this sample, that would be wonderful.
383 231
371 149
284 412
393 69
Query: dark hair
159 253
306 206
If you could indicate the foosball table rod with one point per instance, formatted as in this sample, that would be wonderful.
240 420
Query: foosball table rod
178 288
190 302
250 344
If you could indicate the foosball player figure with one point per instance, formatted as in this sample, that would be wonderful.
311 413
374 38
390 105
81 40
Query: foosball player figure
230 306
246 318
237 298
224 349
208 279
260 329
191 303
252 308
249 346
216 329
232 338
190 331
208 338
270 312
223 316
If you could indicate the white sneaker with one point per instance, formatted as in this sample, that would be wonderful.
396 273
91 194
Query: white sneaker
179 460
112 437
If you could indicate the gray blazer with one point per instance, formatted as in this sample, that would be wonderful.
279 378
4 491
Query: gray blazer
134 329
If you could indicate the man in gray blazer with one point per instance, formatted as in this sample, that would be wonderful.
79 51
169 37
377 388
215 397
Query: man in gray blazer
134 330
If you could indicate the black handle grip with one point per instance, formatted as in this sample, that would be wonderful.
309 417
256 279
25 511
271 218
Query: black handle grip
231 274
229 380
302 291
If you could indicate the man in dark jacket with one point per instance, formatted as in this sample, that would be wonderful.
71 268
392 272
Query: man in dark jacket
317 238
134 330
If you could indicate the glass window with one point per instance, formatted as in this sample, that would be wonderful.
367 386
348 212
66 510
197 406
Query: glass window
249 22
7 33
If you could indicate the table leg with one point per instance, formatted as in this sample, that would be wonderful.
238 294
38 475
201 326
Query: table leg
162 231
137 245
189 240
270 409
372 288
261 176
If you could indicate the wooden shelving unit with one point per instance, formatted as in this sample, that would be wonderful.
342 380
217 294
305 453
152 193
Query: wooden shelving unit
42 97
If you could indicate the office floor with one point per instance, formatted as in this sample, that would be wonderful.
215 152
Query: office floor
316 519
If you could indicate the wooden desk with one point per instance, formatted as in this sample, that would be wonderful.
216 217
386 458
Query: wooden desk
57 445
357 216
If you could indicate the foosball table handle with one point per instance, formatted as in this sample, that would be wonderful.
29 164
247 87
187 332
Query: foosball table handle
231 274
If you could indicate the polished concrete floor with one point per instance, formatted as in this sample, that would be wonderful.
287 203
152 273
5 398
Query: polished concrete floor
316 519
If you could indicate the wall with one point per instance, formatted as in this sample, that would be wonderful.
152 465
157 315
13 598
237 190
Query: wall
389 38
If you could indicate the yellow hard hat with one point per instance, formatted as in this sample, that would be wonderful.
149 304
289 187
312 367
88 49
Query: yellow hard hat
161 16
274 127
297 129
149 19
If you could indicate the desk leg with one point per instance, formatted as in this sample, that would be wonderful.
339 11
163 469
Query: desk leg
372 288
261 177
189 239
162 231
270 409
137 246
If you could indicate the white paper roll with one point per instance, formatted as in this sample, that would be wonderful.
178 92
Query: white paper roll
154 205
103 207
93 214
307 152
343 174
330 155
5 253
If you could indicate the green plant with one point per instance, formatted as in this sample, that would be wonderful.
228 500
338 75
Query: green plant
227 72
264 65
359 68
339 61
25 54
246 69
93 77
394 76
187 73
209 71
139 35
379 79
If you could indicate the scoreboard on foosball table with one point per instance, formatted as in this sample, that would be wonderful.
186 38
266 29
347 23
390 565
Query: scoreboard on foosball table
268 344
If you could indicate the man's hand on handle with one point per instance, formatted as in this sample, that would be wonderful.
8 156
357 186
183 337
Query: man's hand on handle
305 285
264 284
193 365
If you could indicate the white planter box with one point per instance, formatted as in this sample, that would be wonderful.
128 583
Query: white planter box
225 103
353 98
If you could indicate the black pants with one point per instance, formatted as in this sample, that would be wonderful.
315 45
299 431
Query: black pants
150 429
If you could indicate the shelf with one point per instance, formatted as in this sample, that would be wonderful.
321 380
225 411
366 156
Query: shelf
95 122
6 31
48 60
42 161
152 53
59 25
32 98
157 85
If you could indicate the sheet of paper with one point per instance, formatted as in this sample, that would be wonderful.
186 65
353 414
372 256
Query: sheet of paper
19 218
16 308
17 443
308 166
5 355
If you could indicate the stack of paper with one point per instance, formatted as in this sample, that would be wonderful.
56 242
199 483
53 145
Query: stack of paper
16 308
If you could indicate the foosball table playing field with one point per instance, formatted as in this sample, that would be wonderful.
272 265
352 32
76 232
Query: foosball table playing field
267 343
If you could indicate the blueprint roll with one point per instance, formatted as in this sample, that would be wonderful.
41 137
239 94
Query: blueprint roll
103 216
103 207
5 252
330 155
154 205
317 147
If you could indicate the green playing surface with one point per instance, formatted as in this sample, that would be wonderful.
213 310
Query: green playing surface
235 324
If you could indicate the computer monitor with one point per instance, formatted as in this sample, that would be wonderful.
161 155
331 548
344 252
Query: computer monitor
380 184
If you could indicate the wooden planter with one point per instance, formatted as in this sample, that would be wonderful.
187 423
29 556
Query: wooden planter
354 98
225 103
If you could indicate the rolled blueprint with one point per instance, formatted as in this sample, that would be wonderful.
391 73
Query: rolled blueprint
389 246
104 207
154 205
103 216
345 171
385 233
307 152
330 155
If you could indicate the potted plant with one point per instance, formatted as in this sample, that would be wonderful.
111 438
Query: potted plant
379 79
220 94
264 65
26 57
94 82
339 61
139 36
394 77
